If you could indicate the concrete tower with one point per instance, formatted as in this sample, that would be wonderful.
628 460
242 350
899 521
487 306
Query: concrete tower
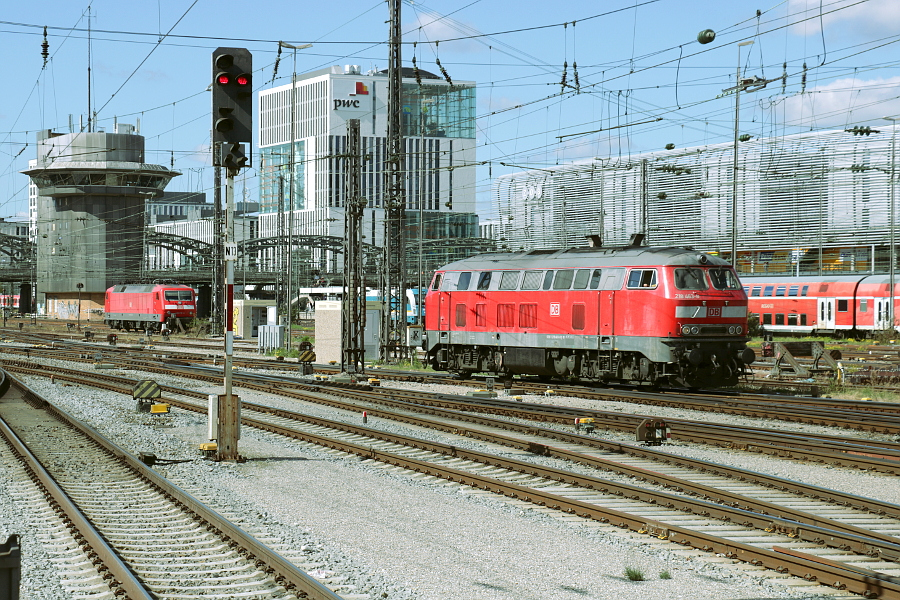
90 214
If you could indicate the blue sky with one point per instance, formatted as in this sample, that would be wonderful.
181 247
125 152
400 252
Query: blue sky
637 61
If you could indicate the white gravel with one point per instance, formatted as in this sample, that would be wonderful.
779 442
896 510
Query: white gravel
401 537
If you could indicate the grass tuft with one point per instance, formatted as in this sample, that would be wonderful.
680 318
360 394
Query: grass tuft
634 574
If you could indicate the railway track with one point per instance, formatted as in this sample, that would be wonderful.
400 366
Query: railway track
128 530
834 549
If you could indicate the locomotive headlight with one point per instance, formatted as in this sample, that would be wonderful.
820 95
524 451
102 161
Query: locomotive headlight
695 330
686 330
732 330
739 330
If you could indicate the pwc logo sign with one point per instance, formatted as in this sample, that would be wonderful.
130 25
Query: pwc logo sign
358 89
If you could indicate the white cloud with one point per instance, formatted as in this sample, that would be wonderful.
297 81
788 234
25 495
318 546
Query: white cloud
844 102
870 18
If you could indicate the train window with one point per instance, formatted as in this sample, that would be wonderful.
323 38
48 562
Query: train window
755 291
793 290
563 279
527 315
792 319
690 279
843 305
506 315
804 290
532 280
464 279
642 278
581 279
509 280
779 318
724 279
480 311
548 279
768 291
803 319
595 279
767 318
460 315
578 316
863 305
174 295
779 291
484 280
436 284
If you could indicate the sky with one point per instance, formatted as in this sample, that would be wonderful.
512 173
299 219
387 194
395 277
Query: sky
636 78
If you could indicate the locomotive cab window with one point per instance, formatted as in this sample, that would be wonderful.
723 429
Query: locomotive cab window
724 279
509 280
175 295
532 280
464 279
484 280
642 278
563 279
581 279
436 284
595 279
688 279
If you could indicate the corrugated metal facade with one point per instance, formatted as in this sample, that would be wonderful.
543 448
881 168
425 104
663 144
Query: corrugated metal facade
805 202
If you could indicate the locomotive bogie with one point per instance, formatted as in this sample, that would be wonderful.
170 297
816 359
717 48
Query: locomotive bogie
646 315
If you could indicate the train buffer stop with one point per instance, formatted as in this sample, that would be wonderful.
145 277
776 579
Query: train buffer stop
787 353
306 357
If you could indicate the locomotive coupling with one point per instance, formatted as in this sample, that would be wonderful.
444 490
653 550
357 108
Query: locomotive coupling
747 356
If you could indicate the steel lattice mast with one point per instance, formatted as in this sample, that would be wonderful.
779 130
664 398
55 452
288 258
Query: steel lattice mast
393 343
353 311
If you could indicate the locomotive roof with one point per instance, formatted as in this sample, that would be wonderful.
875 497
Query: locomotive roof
626 256
137 288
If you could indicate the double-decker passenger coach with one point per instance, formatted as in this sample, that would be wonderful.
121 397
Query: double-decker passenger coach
627 314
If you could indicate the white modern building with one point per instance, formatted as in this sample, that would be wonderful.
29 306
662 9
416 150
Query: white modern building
439 127
810 202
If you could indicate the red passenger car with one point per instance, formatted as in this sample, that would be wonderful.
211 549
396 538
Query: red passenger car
149 307
845 305
629 314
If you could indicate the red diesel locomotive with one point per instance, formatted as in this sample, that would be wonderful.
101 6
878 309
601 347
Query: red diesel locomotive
148 307
631 314
836 305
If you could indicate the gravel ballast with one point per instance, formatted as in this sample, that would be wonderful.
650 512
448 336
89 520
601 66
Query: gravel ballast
392 535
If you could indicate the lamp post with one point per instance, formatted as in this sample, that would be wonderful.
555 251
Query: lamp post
893 249
290 269
734 190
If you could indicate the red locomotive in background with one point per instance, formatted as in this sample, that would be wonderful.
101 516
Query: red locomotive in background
837 305
629 314
149 306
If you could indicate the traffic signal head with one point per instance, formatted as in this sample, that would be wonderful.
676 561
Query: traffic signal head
232 96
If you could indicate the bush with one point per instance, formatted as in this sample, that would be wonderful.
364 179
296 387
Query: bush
753 327
634 574
665 575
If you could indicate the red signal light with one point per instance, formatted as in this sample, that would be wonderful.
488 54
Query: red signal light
223 78
243 79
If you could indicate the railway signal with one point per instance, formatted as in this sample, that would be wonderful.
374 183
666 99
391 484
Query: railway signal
232 101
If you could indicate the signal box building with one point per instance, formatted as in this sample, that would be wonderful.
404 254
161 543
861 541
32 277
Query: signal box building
92 188
438 124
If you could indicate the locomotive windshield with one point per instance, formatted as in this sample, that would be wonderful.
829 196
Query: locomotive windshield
690 279
174 295
724 279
